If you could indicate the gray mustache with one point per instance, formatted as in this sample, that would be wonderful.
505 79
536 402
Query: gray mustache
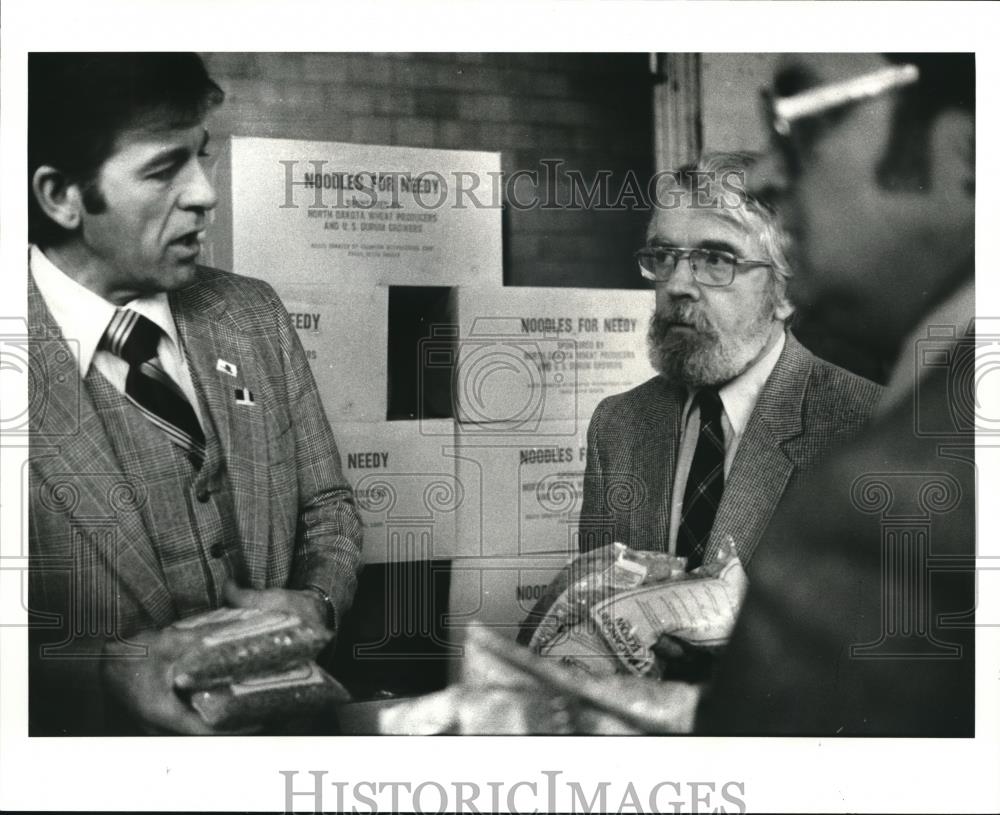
662 320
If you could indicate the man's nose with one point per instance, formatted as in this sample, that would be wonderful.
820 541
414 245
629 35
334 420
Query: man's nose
198 193
681 282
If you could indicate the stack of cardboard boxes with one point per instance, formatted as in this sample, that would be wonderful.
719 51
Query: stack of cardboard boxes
531 366
462 426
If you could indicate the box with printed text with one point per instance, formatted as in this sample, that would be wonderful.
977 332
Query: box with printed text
523 356
331 213
496 592
344 331
406 489
522 492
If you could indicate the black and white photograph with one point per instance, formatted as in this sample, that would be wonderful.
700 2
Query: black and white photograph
494 421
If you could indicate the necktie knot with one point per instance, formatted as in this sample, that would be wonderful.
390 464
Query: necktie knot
136 340
131 336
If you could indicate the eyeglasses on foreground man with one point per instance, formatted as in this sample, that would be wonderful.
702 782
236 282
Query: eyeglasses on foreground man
860 618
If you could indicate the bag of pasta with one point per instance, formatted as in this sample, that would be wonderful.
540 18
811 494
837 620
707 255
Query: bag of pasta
234 643
617 610
588 579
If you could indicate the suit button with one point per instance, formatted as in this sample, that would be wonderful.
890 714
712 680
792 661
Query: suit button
217 550
203 496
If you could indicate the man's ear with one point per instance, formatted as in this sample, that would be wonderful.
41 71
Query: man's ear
952 153
59 198
783 308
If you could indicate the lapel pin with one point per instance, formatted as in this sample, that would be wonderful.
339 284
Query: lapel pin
225 367
244 396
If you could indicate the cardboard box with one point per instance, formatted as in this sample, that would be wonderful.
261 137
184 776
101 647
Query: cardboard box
344 331
518 524
522 492
406 488
528 355
329 213
497 592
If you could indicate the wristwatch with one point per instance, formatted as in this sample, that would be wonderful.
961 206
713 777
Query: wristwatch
331 609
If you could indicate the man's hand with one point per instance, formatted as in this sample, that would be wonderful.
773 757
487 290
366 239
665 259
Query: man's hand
144 686
680 660
307 604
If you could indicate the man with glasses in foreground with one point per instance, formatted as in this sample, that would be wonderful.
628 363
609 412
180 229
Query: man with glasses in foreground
860 617
699 456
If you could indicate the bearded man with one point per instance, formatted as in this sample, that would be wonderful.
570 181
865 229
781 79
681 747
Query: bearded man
699 456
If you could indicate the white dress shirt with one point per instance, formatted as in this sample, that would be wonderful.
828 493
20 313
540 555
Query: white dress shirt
83 315
738 396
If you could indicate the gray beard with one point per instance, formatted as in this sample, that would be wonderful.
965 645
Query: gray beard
704 357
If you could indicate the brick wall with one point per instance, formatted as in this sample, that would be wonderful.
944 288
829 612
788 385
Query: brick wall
590 111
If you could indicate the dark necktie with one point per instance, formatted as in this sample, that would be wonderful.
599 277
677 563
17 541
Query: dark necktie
704 482
135 338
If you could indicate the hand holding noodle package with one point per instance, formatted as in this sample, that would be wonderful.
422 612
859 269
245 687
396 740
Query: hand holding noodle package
248 668
234 643
619 610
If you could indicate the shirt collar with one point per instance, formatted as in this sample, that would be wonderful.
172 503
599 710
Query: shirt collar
739 395
949 321
82 315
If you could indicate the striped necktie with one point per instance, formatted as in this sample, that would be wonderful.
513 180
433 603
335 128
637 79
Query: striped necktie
703 492
135 338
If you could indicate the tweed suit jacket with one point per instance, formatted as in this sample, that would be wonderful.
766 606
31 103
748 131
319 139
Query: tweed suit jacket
89 546
806 406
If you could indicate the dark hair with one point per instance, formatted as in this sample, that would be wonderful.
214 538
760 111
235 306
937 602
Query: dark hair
947 82
79 103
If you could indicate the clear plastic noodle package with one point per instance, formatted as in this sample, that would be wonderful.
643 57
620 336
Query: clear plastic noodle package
505 690
234 643
305 689
700 611
249 668
587 580
611 607
594 662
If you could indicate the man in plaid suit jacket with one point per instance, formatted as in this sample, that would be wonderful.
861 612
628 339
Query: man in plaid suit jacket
718 260
130 531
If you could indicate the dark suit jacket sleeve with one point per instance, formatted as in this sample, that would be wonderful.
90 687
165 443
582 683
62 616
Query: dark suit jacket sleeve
328 539
594 520
819 646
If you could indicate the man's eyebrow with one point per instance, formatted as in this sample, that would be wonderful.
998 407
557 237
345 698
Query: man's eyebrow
175 154
168 156
793 79
708 243
721 246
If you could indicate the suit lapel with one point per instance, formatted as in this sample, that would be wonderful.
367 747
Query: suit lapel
71 455
763 466
210 336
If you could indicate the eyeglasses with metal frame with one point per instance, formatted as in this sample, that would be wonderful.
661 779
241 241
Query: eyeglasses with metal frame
709 267
782 112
